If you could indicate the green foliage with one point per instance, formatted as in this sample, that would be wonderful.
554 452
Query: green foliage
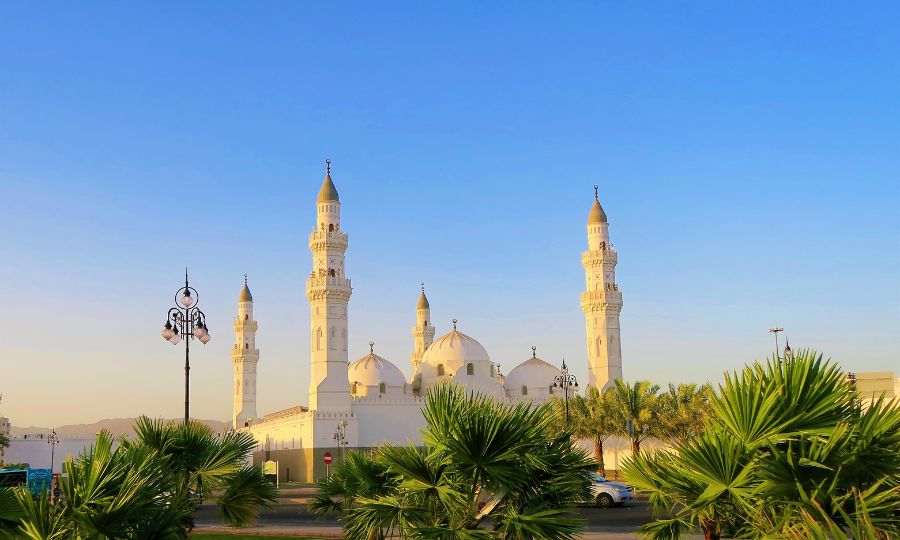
487 470
637 402
10 512
147 488
786 454
683 411
591 416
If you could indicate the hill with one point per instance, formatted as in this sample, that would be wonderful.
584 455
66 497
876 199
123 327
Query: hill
116 426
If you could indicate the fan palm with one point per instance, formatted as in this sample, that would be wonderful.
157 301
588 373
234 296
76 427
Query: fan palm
10 512
786 454
147 488
481 460
199 462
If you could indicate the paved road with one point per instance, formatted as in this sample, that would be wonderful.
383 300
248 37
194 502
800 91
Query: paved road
291 512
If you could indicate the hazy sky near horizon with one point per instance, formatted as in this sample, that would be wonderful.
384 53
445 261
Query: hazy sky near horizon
748 158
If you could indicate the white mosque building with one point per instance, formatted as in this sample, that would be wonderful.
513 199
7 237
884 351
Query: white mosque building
367 402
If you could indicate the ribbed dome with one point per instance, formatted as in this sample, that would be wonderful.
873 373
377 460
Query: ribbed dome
454 350
533 372
597 214
372 370
245 294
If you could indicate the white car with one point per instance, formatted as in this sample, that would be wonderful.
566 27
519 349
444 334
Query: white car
606 493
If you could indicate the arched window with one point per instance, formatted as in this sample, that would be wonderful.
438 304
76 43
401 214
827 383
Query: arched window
382 388
331 227
246 345
331 340
331 272
246 316
319 338
524 390
470 369
599 343
440 369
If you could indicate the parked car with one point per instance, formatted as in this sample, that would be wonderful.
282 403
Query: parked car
606 493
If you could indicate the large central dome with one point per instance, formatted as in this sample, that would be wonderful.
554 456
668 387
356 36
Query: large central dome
454 350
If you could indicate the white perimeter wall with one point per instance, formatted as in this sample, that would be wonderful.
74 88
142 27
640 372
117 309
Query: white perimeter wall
36 452
386 420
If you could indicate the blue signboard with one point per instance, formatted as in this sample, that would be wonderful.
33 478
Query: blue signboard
39 480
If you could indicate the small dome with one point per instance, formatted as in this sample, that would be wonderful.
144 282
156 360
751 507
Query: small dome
372 370
245 294
532 373
423 301
328 191
454 350
597 214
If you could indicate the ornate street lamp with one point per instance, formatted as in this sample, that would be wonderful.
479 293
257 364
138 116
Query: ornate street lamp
186 321
565 381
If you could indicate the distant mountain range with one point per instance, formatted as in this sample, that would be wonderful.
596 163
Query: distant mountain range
116 426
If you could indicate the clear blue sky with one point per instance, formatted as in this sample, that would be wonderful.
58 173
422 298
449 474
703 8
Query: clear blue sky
748 159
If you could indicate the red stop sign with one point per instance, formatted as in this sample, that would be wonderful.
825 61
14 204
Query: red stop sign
327 458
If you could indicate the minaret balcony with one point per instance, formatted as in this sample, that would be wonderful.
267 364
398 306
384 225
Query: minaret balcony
328 286
594 299
599 257
246 325
319 240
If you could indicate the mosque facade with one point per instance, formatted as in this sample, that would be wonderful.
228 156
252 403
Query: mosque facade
369 401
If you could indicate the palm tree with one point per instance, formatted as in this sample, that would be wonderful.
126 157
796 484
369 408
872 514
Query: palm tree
786 454
591 417
147 488
483 464
683 411
635 407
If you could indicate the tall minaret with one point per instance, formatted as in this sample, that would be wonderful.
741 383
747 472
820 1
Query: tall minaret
244 357
423 332
328 291
601 302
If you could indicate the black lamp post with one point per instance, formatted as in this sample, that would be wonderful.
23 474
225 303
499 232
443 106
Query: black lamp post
565 381
340 436
52 440
775 330
186 321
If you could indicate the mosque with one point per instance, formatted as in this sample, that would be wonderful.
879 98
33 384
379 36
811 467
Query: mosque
367 402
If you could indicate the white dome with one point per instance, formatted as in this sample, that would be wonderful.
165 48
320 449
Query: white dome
372 370
454 350
532 373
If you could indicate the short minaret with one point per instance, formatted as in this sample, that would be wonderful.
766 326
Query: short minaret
423 332
601 302
328 291
244 357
